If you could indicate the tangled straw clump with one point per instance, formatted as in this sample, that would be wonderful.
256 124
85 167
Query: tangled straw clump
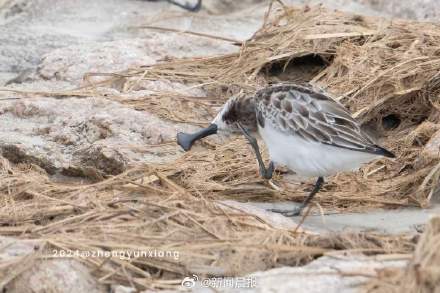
385 72
422 275
144 210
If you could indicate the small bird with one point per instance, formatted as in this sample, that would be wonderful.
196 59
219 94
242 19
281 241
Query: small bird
303 128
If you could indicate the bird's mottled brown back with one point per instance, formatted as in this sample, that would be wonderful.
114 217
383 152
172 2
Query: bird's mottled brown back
312 115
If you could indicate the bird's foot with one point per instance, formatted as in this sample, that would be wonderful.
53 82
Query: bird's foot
267 173
288 213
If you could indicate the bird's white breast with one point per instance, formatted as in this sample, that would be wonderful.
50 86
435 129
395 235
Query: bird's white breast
310 159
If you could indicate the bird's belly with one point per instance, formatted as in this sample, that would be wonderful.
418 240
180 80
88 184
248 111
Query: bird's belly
310 158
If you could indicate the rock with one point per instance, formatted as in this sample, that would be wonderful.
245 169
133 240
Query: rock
417 10
422 273
341 274
12 248
230 6
30 154
51 275
56 275
399 221
12 8
24 76
98 161
83 136
432 147
71 63
122 289
67 40
5 77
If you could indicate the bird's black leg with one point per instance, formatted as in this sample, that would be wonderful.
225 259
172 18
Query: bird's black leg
297 211
188 6
265 173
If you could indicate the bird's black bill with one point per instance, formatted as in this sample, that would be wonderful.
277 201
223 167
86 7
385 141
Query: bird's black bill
186 140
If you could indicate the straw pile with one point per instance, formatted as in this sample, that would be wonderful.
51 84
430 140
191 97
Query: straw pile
385 72
144 210
422 275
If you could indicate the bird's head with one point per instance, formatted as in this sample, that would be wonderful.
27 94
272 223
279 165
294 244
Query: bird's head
235 110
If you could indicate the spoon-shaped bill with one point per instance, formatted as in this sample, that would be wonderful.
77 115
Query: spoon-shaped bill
186 140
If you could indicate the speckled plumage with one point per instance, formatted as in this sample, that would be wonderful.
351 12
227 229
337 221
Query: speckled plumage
312 115
303 128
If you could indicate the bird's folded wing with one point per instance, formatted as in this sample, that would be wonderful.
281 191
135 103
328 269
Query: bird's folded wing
312 115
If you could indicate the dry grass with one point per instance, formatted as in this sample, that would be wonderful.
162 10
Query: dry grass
384 72
144 210
422 275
